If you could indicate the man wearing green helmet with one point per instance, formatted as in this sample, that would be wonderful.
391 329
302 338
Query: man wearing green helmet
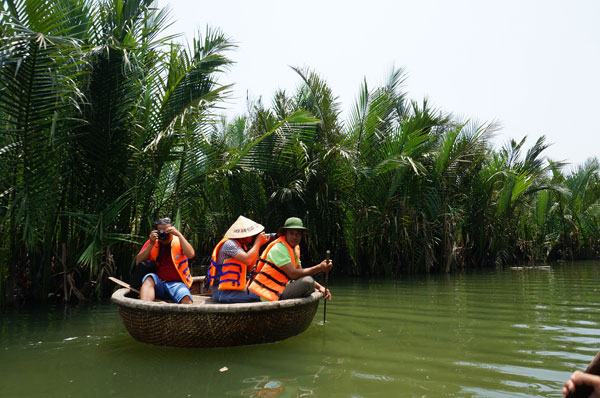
280 263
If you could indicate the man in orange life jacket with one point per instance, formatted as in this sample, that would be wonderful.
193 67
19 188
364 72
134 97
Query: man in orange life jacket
280 262
232 260
171 251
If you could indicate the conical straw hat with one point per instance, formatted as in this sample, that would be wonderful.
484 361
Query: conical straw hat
242 228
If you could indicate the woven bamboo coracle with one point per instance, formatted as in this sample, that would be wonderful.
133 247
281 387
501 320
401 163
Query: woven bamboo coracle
209 324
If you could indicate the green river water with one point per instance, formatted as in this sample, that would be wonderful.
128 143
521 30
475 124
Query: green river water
494 333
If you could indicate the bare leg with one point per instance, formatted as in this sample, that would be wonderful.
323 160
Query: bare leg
186 300
147 290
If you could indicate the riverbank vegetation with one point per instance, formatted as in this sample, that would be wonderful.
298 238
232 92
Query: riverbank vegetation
107 124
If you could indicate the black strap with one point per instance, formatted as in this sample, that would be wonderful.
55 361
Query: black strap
273 279
266 261
276 268
267 287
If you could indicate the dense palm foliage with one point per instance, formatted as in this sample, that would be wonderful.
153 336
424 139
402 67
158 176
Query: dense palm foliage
106 124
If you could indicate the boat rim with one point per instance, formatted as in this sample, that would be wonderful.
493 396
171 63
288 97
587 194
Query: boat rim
119 297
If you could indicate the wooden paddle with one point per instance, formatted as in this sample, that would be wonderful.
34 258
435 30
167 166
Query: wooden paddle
583 390
121 283
327 253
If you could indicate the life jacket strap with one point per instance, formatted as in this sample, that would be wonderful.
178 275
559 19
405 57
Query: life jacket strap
266 261
276 268
272 279
234 281
267 287
216 280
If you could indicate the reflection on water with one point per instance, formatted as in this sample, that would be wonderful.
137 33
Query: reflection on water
371 377
499 333
264 388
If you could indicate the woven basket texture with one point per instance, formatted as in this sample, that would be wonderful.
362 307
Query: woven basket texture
209 324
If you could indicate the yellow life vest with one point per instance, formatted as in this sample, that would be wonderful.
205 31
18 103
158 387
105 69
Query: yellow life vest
270 280
231 275
179 260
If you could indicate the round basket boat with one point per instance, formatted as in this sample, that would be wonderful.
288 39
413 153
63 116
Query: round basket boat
209 324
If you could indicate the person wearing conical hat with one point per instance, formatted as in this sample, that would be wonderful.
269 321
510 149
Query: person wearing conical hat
279 274
233 259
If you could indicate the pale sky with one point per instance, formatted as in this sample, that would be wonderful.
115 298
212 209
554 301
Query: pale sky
532 65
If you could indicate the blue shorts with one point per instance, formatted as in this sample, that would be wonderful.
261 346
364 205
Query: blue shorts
234 296
174 291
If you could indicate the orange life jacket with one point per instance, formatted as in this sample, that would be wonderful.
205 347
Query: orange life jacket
231 275
270 280
179 260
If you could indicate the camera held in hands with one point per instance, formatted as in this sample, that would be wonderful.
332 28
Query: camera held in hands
270 236
162 235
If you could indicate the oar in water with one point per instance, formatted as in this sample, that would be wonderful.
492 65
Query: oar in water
583 390
121 283
326 286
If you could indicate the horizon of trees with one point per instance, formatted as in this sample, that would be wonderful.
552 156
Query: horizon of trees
107 124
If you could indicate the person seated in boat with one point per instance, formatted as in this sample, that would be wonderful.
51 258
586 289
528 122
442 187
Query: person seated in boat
578 379
280 263
233 259
171 252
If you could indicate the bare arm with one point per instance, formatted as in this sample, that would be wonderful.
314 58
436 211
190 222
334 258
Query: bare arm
145 254
187 249
295 273
251 256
